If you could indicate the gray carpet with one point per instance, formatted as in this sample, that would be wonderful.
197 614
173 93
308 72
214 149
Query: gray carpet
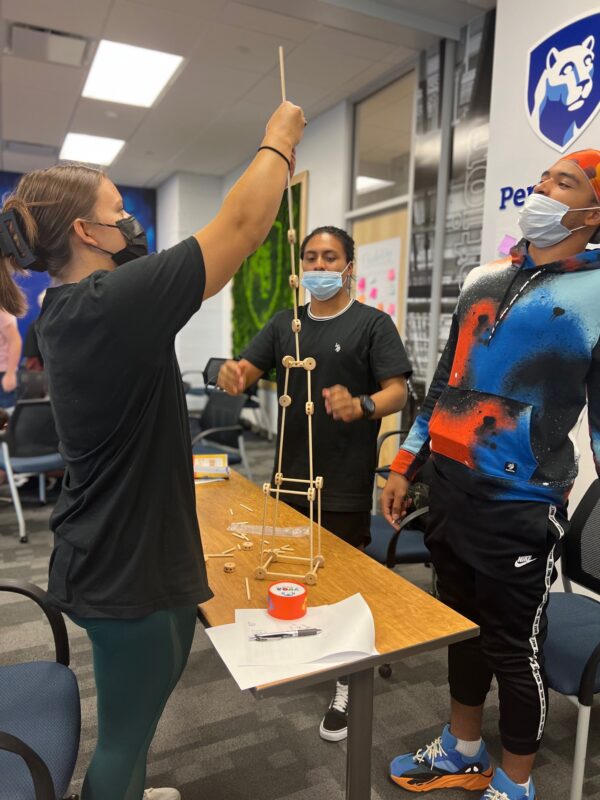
217 743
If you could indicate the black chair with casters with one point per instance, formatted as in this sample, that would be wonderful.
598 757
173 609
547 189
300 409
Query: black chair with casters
29 445
210 374
392 547
220 429
40 717
572 646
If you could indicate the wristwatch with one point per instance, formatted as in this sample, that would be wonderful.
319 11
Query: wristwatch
367 405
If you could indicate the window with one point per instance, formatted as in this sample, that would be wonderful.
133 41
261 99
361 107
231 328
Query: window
383 125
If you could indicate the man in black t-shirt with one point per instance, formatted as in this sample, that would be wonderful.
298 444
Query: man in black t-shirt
360 377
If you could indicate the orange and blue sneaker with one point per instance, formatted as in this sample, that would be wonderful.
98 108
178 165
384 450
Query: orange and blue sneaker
502 788
439 765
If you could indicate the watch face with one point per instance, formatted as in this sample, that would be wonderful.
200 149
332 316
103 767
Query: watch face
367 405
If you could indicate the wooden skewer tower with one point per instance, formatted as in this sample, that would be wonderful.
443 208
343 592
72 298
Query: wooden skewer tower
313 484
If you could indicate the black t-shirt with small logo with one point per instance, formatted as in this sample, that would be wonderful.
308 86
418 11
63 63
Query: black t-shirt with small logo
357 348
127 542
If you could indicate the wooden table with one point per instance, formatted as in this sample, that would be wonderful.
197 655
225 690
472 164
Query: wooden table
407 620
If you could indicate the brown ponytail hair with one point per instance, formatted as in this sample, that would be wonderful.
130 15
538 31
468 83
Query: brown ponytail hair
46 202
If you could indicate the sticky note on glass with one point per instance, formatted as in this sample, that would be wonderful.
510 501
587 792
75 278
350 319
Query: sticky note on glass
361 284
507 243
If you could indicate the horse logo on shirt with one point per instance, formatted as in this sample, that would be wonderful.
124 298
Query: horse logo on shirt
563 95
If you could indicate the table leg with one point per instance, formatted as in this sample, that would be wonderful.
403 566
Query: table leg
360 736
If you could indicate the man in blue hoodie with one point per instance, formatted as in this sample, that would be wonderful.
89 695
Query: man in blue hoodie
499 423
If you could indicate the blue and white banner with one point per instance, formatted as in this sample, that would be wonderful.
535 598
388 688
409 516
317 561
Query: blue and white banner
545 102
563 84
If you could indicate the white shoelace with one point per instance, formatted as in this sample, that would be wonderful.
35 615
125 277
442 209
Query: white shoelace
494 794
431 752
340 701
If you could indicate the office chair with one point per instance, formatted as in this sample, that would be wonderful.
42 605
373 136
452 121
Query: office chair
40 717
252 404
406 545
572 647
221 430
29 445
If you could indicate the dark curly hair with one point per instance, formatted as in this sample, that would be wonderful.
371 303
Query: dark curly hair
344 238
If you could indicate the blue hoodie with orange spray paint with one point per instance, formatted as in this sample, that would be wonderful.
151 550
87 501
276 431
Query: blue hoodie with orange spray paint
504 407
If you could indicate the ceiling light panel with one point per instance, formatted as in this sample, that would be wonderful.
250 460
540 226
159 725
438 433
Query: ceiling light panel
135 76
90 149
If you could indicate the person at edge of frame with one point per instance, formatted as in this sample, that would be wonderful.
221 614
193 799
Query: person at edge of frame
360 377
127 564
499 421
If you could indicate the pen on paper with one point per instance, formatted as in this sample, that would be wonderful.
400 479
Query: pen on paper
265 637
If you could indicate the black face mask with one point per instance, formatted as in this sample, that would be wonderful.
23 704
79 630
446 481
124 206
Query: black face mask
134 235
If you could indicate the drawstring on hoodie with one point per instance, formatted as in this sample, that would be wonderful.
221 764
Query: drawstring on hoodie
504 309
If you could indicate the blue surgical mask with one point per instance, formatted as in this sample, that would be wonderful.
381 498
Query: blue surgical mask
323 284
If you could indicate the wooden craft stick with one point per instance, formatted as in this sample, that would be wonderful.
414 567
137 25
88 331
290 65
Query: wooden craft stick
226 552
216 555
239 546
282 73
238 535
247 507
248 589
231 511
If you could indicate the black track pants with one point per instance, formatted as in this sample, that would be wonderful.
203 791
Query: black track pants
495 565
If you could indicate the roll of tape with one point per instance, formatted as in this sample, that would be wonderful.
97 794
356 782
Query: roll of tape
287 600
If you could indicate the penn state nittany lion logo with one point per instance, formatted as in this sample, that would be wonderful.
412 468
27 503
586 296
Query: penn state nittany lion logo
563 92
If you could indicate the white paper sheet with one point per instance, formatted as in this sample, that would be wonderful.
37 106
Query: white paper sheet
227 642
346 627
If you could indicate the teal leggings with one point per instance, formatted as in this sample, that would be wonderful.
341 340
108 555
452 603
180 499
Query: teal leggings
137 664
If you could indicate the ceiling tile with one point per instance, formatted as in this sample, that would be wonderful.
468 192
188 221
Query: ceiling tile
83 17
223 45
22 162
343 42
455 12
31 115
38 100
267 93
42 76
313 65
206 9
399 55
106 119
258 19
154 28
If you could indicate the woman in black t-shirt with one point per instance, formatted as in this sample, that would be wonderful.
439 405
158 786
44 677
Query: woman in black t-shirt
127 563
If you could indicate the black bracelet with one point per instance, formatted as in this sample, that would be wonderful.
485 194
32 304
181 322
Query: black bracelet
279 153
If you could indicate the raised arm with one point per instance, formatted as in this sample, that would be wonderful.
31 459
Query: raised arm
251 206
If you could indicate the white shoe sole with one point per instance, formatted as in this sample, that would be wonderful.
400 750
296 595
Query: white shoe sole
332 736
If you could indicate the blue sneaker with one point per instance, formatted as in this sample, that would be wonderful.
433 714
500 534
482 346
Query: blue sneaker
502 788
440 766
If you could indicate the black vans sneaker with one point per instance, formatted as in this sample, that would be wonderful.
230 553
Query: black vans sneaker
334 725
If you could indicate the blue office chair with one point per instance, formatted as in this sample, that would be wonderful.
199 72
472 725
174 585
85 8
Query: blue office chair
29 446
40 717
572 647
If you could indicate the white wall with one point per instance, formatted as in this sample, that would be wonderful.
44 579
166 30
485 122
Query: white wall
185 203
517 155
326 153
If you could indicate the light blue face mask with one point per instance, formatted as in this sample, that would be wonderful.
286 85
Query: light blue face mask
323 284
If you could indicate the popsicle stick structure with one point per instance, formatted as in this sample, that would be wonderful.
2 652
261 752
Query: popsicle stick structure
311 486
